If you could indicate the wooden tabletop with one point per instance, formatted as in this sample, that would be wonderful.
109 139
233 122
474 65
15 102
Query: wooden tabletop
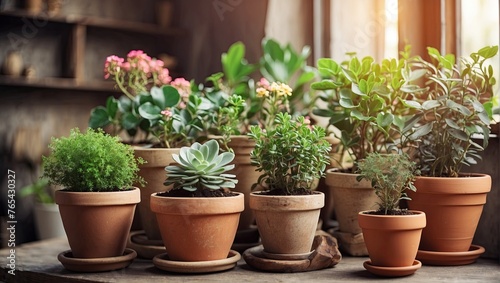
37 262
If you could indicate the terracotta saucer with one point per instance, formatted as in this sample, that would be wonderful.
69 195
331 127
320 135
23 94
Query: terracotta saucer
392 271
286 256
450 258
96 264
162 261
144 247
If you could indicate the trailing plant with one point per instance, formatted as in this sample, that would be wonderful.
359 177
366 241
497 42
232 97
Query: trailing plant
201 167
365 101
93 161
291 155
390 175
457 105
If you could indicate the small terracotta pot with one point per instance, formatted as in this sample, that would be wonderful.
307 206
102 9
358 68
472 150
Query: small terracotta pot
287 224
97 223
196 228
154 174
453 207
392 240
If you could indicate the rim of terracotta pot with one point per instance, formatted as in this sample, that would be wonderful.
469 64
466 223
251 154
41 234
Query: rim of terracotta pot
152 156
287 203
467 183
203 205
63 197
334 178
403 222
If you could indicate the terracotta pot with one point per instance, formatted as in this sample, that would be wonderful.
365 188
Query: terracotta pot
154 174
287 224
392 240
245 173
197 229
453 207
350 197
97 223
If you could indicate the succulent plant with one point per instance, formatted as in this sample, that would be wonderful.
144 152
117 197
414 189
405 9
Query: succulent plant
199 167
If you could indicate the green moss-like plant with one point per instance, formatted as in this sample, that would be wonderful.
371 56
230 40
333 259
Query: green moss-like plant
91 162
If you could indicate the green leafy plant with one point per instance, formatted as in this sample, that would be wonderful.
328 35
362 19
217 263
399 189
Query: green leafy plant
457 104
366 101
390 175
201 167
282 63
291 156
91 161
40 190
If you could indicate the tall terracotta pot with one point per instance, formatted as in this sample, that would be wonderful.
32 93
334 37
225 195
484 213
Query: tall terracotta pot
392 240
197 229
287 224
349 198
97 223
453 207
153 172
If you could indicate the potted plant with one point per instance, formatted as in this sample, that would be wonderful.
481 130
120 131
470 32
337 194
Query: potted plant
391 234
291 156
365 102
48 221
198 216
98 201
456 107
164 111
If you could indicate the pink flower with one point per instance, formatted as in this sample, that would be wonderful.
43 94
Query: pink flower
156 65
112 65
164 76
183 86
166 113
264 83
126 66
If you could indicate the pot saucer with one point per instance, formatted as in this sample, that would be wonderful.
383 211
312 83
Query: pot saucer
162 261
286 256
96 264
450 258
392 271
144 247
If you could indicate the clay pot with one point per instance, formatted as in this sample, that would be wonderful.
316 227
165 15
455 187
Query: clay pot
392 240
13 64
453 207
287 224
33 6
97 223
154 174
195 228
350 197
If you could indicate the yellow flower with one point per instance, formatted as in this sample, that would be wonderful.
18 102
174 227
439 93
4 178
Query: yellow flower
262 92
284 90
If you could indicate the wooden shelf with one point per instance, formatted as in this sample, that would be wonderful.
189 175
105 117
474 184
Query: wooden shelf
57 83
114 24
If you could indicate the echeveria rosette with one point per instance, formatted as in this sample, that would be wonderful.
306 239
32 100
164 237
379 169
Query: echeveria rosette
201 167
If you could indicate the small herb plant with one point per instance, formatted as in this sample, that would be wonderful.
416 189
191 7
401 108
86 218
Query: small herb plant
291 155
457 105
390 175
40 190
91 162
200 168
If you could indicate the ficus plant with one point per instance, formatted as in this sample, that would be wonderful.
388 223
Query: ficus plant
457 105
365 101
390 176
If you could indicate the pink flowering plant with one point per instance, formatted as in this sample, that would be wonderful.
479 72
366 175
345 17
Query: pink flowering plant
137 73
166 112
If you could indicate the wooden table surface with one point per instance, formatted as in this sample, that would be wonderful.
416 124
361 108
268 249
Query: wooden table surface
37 262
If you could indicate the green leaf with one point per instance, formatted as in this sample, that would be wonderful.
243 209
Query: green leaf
232 60
111 106
458 107
99 118
165 97
150 111
430 104
411 104
358 115
421 131
325 85
385 119
457 133
452 124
